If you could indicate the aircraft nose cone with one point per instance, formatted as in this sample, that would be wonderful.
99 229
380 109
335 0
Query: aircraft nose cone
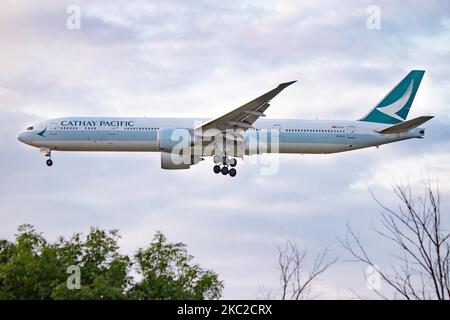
20 137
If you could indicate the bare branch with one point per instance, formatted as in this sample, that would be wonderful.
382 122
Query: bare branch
421 271
295 278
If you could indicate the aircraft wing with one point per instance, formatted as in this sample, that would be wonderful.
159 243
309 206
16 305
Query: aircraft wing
244 116
406 125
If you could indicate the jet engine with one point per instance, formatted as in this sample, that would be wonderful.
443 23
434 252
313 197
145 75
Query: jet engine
177 148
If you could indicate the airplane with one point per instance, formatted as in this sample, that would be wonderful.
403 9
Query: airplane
184 142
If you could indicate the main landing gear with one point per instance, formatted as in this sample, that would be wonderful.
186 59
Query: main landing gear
225 161
48 154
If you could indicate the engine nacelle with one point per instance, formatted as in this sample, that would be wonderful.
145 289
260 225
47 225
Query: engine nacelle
177 148
173 161
175 139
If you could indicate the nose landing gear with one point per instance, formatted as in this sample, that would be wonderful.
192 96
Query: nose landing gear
48 154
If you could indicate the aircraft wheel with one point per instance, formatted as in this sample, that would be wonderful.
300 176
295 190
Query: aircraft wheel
217 159
233 162
224 170
49 162
216 169
232 172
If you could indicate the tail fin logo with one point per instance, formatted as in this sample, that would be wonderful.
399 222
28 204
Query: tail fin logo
393 108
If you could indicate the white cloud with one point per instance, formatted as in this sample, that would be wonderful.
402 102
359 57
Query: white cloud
410 169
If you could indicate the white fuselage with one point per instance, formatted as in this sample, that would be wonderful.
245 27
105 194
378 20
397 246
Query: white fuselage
141 134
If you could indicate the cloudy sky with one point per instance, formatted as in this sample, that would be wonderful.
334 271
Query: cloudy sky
158 58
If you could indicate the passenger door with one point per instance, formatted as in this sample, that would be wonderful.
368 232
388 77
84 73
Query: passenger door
276 130
52 128
112 131
351 132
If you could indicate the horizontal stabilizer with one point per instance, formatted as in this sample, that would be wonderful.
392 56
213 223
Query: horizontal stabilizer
406 125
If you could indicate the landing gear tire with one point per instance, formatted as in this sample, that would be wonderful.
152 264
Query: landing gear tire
224 170
49 162
217 159
232 172
233 162
216 169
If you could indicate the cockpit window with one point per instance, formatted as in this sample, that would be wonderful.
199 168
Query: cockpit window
30 128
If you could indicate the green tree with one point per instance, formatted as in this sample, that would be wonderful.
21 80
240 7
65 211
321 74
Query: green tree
33 268
168 273
28 267
104 270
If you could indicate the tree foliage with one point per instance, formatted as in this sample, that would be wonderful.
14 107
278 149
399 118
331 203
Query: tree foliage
168 273
33 268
